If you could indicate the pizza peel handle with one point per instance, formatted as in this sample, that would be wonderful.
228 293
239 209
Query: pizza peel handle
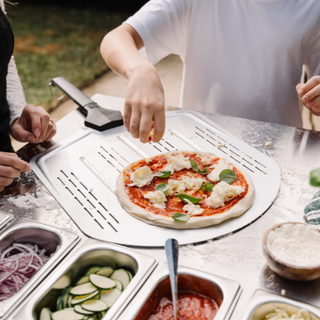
97 118
172 253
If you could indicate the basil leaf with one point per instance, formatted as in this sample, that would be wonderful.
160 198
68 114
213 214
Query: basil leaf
183 196
162 187
228 176
194 165
204 171
196 168
207 186
163 174
181 217
315 177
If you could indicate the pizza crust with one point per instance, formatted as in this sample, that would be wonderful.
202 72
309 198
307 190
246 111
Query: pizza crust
195 221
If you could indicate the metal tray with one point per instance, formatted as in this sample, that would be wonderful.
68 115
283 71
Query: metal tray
224 291
56 241
263 302
92 253
81 174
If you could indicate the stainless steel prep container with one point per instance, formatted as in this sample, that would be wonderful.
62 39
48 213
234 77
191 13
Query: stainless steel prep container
56 242
224 291
263 302
92 253
5 218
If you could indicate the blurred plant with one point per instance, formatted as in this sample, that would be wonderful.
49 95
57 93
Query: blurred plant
315 177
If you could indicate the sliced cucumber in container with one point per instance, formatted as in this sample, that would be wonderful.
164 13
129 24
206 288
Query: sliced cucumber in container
84 279
79 299
119 284
94 305
82 289
93 270
121 275
62 283
101 282
105 271
80 310
59 303
110 296
67 314
130 275
45 314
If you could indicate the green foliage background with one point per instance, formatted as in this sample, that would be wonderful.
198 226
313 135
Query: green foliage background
52 41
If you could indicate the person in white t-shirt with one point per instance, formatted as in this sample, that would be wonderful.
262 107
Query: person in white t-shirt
241 58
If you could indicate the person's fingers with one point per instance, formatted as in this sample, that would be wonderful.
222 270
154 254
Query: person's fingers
9 154
145 126
135 123
299 89
314 105
127 115
6 159
4 181
51 131
310 89
310 97
159 125
21 134
39 123
9 172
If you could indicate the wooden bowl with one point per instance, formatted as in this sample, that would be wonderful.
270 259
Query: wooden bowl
287 270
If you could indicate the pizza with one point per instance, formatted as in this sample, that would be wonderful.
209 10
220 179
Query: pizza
184 190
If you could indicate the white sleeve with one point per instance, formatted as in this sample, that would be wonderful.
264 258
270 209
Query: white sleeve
312 48
15 95
163 26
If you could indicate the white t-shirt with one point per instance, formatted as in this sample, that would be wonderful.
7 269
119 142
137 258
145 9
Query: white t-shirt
241 57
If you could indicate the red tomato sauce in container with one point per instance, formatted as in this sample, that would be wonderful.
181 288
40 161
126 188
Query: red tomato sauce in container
191 306
199 298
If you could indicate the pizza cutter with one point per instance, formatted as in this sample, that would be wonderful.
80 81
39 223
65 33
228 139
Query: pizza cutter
172 253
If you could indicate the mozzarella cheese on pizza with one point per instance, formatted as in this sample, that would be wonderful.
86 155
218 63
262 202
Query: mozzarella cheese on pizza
184 189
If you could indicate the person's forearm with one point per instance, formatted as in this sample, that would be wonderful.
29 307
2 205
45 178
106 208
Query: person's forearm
120 50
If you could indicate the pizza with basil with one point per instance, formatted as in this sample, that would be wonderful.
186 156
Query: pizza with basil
184 190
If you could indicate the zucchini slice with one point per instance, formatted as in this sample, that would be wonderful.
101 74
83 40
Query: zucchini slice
59 303
121 275
80 310
80 299
65 314
82 289
119 284
130 275
45 314
95 305
101 282
62 283
110 296
92 270
82 280
105 271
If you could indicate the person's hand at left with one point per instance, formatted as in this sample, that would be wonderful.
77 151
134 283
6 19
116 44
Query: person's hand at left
34 126
309 94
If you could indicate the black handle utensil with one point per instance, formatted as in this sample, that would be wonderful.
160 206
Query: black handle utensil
97 118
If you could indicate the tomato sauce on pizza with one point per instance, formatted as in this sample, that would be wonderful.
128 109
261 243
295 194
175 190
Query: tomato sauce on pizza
173 203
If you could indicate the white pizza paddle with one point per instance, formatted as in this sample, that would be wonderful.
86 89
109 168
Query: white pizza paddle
172 252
